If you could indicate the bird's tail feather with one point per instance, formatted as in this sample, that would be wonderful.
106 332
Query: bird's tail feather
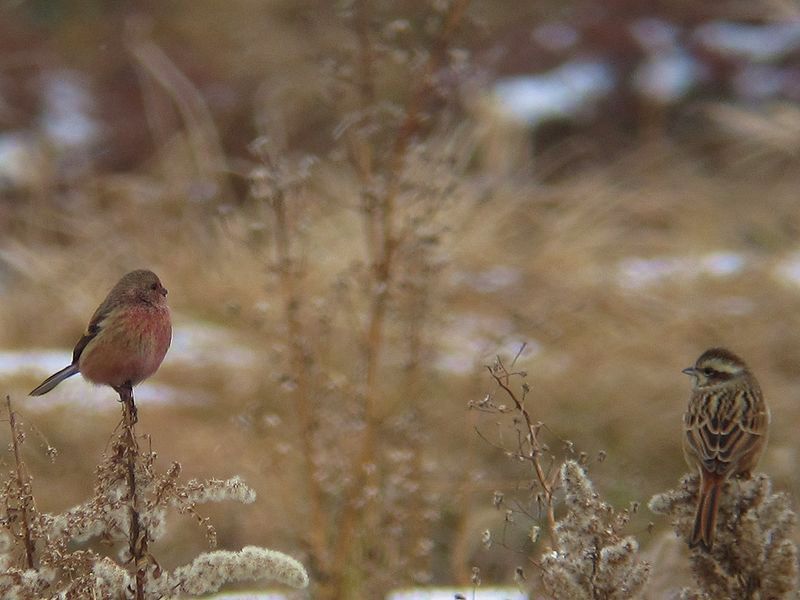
54 379
705 520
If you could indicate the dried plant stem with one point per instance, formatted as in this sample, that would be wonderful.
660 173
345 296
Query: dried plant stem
378 236
423 92
365 468
366 79
413 388
300 360
201 133
23 483
379 221
128 451
533 452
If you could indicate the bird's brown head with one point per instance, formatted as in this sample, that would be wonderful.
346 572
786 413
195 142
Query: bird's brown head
716 366
140 286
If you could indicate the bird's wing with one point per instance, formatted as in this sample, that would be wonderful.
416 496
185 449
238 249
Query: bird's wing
94 327
90 334
724 427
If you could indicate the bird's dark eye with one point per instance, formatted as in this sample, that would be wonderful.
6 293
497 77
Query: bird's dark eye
708 371
154 286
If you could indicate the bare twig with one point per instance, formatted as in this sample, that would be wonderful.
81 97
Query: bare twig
24 488
533 453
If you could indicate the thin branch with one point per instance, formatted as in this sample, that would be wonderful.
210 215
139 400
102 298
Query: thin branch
23 485
501 377
518 354
488 441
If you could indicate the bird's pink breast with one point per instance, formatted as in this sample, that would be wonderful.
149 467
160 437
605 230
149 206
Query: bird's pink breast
130 346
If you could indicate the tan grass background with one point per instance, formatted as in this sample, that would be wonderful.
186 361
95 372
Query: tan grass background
605 364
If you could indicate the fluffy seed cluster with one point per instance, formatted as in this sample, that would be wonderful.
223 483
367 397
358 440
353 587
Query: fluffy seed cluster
18 584
593 559
213 490
209 572
753 554
41 554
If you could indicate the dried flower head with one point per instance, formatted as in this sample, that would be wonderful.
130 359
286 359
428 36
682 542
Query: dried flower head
593 559
128 510
753 555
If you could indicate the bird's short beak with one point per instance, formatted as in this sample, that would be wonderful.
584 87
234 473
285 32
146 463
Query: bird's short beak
689 371
163 291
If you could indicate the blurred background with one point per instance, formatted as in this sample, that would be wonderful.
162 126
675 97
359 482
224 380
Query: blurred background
356 207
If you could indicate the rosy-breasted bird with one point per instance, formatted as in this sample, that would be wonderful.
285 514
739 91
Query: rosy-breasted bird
127 337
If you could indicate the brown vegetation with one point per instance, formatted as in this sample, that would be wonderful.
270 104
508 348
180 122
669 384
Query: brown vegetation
344 261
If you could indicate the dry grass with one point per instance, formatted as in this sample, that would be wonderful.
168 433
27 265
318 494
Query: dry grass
605 359
606 377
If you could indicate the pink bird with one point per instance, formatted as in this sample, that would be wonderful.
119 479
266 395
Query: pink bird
127 337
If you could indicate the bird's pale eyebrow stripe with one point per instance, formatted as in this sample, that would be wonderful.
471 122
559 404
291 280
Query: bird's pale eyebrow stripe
722 366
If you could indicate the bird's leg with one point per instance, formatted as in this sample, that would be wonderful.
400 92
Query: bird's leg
125 392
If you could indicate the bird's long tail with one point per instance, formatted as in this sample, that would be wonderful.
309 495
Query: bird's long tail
705 520
54 379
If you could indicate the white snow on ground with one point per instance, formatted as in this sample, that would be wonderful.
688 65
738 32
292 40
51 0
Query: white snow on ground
563 92
197 344
753 42
788 269
487 281
469 340
250 596
485 593
206 344
36 361
636 272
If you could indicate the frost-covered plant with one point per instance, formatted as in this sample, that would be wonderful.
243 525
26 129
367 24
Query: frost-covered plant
41 554
402 160
753 554
593 560
588 556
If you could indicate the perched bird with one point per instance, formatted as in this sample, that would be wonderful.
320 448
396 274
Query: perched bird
725 431
126 339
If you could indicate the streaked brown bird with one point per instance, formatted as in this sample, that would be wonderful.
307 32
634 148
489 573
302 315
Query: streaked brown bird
127 337
725 431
